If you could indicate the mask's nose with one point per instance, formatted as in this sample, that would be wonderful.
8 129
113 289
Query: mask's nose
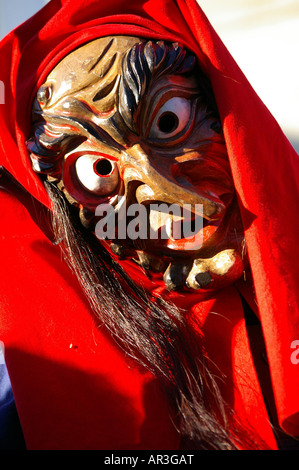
154 182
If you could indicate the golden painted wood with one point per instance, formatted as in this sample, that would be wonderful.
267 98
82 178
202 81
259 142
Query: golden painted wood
150 137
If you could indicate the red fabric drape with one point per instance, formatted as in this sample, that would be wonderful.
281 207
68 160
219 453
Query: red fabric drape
38 299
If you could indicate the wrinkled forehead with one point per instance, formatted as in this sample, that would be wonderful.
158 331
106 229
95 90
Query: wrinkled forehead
108 79
92 67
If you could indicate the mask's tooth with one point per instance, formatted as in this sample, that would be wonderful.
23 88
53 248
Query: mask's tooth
175 275
151 262
86 217
197 273
203 279
156 220
121 251
169 228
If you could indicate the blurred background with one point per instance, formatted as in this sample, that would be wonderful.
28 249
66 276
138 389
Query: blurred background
262 36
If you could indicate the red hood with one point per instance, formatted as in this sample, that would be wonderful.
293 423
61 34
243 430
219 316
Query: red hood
264 165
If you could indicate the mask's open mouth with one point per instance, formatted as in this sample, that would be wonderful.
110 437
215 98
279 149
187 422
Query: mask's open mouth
182 247
172 229
160 227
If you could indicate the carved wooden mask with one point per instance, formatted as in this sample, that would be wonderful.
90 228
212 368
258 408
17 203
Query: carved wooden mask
126 123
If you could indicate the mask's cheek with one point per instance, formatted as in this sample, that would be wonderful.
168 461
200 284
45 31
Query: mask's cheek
207 174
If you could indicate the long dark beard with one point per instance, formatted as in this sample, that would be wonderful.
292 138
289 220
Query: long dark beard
153 332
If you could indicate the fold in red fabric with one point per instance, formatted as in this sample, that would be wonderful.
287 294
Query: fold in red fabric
39 299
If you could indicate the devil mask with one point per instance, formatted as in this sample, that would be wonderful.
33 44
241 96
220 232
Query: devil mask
129 132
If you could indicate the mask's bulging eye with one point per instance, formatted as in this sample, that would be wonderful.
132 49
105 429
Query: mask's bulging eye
171 119
97 175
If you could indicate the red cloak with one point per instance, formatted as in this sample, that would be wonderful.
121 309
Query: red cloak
73 388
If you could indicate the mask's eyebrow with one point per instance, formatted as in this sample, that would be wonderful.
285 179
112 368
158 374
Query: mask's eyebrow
49 144
81 119
58 135
141 65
